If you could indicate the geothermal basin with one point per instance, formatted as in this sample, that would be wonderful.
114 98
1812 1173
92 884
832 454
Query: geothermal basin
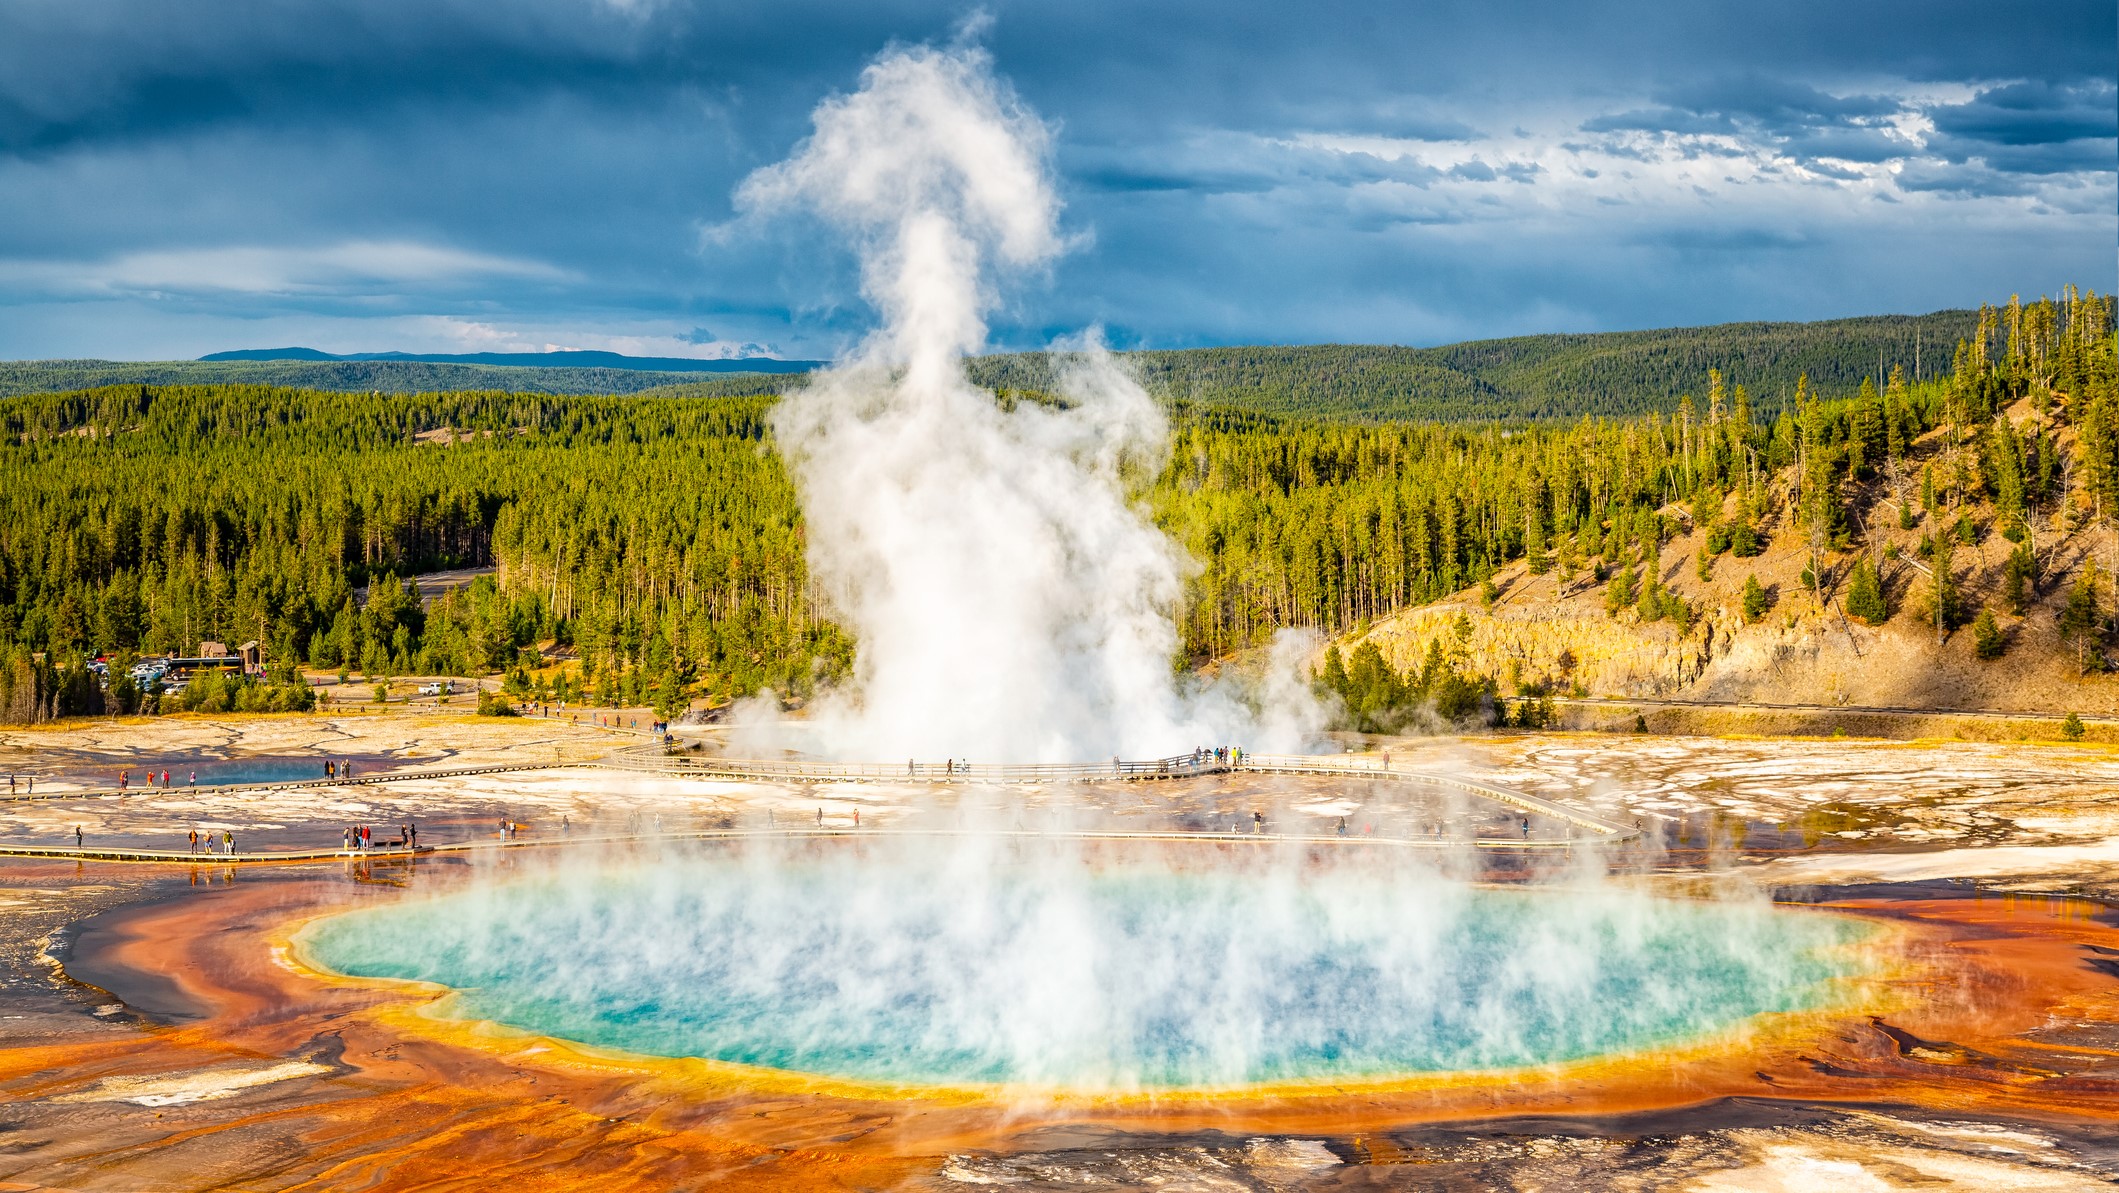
969 961
1101 983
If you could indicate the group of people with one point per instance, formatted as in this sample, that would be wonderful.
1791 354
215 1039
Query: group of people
342 769
31 779
125 780
359 837
223 844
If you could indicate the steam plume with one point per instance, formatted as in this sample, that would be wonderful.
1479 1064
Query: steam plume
1009 600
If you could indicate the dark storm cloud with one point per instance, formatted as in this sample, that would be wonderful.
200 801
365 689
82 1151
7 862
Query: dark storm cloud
1731 106
2033 127
1801 122
2033 113
175 174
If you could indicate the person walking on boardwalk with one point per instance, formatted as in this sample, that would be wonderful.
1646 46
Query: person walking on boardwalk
228 841
412 827
345 840
194 840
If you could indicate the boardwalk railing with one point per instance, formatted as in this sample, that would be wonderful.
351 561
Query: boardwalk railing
1373 766
1183 766
363 779
399 853
657 760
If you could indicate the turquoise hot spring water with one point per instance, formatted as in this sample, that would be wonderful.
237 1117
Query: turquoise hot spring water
953 965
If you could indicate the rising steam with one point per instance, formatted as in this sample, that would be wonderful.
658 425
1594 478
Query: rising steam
897 961
1009 599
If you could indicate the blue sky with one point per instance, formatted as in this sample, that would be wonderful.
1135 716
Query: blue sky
497 175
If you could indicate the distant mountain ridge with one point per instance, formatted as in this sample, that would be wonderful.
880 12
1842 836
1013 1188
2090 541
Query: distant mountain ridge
568 358
1607 374
1522 378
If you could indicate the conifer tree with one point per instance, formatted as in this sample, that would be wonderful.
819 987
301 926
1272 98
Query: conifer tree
1334 677
1942 586
1865 594
1754 598
1986 635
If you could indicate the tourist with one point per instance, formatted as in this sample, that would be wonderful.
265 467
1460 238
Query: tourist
77 836
228 841
413 825
857 818
820 818
1258 822
566 827
194 778
345 839
194 840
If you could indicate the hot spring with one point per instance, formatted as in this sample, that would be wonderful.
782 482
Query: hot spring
952 966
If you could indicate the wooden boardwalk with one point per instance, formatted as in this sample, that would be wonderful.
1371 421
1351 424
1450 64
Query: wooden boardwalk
655 760
1183 766
473 848
387 776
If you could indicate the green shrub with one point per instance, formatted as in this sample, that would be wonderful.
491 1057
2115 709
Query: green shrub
1986 636
1755 602
1865 595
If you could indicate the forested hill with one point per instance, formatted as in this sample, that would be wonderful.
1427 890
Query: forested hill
356 376
656 535
1532 377
1527 377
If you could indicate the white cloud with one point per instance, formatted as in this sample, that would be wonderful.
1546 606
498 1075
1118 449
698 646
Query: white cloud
347 268
448 333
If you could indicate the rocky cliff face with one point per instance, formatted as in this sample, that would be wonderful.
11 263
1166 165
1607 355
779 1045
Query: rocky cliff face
1541 630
